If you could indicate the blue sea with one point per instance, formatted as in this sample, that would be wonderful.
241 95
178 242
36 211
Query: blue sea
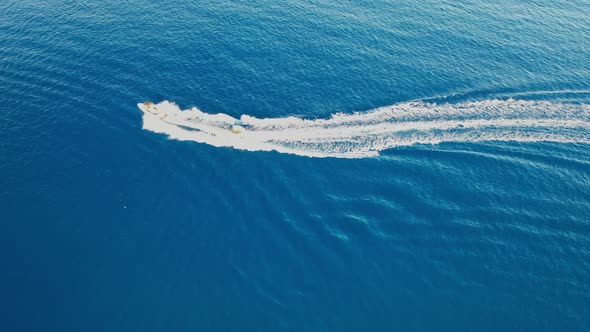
398 165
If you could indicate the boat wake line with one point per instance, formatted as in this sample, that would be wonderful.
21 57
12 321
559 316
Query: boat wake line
365 134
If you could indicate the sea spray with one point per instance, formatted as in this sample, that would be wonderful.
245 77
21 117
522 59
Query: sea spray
365 134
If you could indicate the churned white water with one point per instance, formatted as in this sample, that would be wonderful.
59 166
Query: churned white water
365 134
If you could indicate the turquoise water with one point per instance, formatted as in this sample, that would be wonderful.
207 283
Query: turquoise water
406 166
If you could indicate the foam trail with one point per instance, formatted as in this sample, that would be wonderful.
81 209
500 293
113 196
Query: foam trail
365 134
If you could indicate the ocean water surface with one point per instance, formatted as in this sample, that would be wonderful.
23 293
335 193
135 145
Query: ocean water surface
405 166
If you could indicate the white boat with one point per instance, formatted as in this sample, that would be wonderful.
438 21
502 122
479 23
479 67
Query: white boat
191 123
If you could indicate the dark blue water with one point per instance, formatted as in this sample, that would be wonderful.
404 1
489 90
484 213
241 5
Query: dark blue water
105 226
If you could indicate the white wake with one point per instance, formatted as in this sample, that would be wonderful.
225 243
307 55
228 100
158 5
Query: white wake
365 134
